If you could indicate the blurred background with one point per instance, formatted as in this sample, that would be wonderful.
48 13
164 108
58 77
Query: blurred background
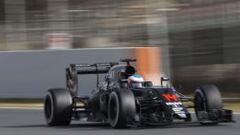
200 37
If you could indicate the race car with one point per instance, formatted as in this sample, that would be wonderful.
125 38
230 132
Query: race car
124 99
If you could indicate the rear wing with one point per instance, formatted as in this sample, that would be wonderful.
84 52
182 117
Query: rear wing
98 68
74 70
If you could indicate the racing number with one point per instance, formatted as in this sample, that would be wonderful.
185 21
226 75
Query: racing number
170 97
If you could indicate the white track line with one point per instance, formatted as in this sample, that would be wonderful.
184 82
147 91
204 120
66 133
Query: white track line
21 108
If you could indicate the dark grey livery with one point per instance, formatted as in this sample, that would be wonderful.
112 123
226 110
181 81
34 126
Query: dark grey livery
122 105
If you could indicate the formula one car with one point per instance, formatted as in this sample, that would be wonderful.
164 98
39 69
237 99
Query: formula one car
125 99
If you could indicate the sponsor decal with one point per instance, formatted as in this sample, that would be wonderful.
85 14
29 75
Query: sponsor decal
174 103
176 106
179 109
170 97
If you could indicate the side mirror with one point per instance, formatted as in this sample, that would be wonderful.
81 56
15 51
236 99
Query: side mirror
164 79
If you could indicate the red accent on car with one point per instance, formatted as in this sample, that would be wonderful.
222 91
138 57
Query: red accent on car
170 97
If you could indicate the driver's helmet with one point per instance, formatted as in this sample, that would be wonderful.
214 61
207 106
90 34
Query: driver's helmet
130 70
135 81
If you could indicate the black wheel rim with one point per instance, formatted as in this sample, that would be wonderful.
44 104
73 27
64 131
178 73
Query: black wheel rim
199 103
47 107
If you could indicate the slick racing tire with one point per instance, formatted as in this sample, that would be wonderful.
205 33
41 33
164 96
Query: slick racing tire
121 108
206 99
58 107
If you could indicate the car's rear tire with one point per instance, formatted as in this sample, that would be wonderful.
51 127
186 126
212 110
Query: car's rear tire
206 99
121 108
58 107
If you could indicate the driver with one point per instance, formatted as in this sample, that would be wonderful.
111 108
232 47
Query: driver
135 81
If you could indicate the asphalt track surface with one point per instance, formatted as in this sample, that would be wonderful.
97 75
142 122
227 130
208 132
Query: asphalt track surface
31 122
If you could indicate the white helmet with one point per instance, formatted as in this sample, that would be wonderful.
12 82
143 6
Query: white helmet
135 81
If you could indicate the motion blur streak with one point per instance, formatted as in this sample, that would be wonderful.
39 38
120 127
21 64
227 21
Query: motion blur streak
148 63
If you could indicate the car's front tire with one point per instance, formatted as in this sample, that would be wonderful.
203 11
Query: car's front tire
207 99
58 107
